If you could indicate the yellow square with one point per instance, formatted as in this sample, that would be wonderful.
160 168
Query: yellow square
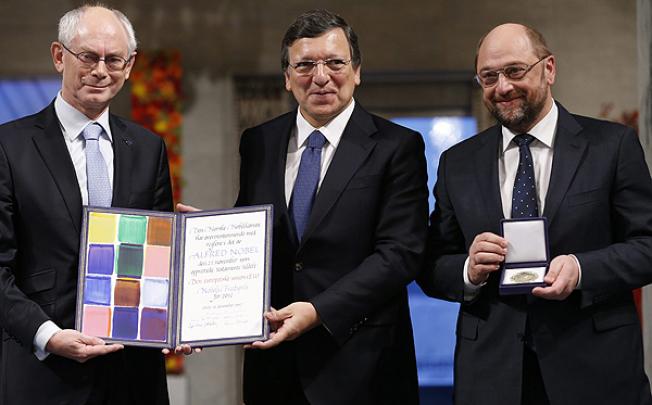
102 227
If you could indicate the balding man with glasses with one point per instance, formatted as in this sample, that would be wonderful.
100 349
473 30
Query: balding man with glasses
350 213
73 153
575 339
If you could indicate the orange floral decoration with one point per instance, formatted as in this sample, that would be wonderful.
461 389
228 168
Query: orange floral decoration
156 104
156 99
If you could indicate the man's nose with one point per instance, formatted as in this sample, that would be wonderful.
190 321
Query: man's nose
503 85
321 74
100 69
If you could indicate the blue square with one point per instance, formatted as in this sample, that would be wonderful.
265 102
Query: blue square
97 290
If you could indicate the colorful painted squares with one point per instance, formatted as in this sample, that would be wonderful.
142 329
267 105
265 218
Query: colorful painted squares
127 277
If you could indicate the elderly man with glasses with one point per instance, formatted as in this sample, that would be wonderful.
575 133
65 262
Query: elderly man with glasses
73 153
576 338
350 206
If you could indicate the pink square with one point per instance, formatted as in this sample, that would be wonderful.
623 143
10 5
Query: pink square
157 261
96 321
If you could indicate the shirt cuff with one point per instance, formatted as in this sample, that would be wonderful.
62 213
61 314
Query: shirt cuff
579 275
470 290
42 337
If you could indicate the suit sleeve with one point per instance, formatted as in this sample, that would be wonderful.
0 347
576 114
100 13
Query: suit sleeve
243 198
399 243
163 187
19 316
627 262
442 273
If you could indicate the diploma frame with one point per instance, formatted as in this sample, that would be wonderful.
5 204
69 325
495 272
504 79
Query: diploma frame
524 274
168 319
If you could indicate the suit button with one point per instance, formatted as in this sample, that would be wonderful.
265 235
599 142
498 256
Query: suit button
298 266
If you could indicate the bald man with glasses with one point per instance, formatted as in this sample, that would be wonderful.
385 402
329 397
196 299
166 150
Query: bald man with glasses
577 338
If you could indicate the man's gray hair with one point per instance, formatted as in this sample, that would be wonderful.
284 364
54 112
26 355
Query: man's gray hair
69 23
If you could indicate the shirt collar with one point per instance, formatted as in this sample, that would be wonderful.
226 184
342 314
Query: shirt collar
543 131
73 121
332 131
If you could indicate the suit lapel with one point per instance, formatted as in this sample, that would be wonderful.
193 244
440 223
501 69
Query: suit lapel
123 156
568 151
354 147
487 177
52 148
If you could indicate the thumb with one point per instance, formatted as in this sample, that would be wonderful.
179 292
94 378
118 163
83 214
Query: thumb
553 271
91 340
278 315
185 208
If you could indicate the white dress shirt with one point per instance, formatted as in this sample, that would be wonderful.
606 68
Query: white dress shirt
542 150
72 123
332 131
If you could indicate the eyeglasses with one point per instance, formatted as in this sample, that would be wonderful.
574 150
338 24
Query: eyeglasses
91 59
517 71
307 67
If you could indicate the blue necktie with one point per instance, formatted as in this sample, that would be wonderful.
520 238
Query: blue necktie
97 176
524 197
305 187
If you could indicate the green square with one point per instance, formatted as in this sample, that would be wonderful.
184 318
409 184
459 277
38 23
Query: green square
132 229
130 260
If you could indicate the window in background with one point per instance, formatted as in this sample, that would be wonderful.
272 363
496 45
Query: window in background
19 98
434 320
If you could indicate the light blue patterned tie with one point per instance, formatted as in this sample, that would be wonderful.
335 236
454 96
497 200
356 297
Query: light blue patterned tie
524 197
97 176
305 187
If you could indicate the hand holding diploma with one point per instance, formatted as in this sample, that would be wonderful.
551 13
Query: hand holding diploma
288 323
74 345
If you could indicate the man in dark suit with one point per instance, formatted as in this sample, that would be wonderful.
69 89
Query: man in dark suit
350 214
576 340
45 178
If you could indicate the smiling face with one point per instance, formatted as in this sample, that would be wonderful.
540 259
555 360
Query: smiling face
91 89
517 104
324 94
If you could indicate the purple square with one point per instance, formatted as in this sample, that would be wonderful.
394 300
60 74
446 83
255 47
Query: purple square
100 259
125 323
153 324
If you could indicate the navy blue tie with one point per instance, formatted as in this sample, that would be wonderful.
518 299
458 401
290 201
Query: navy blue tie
524 197
305 187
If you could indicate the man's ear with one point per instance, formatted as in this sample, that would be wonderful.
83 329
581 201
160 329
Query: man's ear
551 69
130 65
56 49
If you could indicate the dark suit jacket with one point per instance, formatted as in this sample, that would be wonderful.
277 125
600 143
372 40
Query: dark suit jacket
362 245
40 216
599 207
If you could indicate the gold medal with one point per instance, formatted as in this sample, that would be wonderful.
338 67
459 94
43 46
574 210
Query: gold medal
524 277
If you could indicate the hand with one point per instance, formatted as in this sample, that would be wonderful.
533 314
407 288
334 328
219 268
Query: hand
486 253
561 279
288 323
185 349
186 208
76 346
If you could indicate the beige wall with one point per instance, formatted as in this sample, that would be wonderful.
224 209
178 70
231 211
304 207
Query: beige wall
595 40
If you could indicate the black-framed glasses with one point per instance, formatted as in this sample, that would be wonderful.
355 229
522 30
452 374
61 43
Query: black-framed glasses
517 71
307 67
91 59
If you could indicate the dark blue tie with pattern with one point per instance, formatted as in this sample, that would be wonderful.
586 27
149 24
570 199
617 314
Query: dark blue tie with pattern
524 197
305 187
